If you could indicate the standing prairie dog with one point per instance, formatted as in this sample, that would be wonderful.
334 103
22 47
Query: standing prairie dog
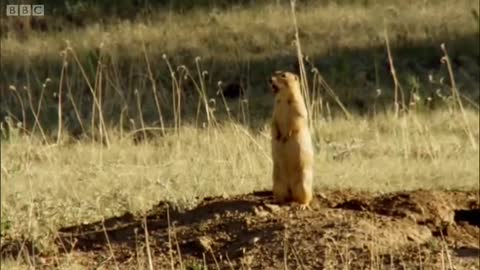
292 148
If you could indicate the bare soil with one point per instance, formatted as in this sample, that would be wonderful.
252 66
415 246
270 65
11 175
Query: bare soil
343 229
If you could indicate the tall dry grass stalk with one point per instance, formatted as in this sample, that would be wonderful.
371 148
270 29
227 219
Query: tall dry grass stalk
60 96
396 84
311 94
93 91
154 88
457 98
303 74
35 114
147 244
109 245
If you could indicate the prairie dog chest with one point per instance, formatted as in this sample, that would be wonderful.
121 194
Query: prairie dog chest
284 112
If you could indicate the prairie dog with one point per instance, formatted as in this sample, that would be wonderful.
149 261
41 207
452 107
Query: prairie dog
292 149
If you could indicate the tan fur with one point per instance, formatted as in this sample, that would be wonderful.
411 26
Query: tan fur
292 148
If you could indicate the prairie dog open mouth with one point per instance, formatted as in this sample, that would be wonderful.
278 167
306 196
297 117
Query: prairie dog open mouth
273 86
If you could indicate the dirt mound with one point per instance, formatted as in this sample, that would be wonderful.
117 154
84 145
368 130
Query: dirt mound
357 230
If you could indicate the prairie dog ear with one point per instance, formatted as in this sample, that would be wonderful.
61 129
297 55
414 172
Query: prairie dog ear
295 76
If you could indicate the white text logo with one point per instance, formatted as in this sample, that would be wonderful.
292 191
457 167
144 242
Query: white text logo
25 10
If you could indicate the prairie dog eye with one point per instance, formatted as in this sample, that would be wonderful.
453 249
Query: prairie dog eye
283 75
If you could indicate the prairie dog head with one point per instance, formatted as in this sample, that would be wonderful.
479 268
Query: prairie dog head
282 80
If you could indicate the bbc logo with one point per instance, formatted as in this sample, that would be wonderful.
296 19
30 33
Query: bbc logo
25 10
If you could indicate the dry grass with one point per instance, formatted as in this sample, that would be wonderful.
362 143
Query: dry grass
40 181
344 41
263 31
386 152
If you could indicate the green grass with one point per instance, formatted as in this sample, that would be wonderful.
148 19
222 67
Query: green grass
50 180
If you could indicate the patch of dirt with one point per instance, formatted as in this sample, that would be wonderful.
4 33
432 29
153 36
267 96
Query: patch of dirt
404 230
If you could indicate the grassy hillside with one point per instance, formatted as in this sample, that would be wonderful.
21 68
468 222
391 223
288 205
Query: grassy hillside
109 110
239 47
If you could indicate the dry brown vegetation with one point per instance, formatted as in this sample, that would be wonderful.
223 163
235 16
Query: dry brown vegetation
120 152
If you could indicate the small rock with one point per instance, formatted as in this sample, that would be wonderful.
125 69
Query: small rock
253 240
260 212
321 195
205 243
